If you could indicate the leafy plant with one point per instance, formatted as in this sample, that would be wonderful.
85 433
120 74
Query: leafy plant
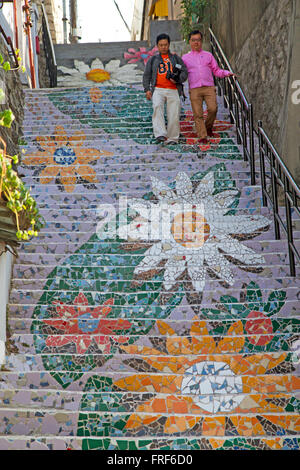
13 193
197 14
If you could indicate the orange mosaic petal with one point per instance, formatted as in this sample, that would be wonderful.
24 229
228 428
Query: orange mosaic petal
271 384
179 405
176 364
288 422
260 404
273 444
216 443
146 383
88 155
213 426
164 328
157 405
256 364
60 134
229 344
175 424
47 143
247 426
87 173
47 174
199 328
203 345
179 345
37 158
77 140
69 183
134 422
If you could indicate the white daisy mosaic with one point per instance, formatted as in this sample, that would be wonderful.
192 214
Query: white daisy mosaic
191 232
111 74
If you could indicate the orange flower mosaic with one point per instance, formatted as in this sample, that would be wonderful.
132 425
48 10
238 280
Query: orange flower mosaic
64 157
212 378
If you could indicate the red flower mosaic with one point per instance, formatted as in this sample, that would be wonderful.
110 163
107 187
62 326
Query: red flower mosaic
260 325
188 130
81 324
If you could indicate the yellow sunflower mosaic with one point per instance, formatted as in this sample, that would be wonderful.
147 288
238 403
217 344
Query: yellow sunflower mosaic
199 377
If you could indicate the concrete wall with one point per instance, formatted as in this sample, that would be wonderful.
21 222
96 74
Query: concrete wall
66 53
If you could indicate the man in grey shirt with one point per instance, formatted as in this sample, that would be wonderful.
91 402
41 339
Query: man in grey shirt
162 81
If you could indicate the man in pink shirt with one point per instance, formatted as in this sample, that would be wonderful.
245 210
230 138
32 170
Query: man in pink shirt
201 67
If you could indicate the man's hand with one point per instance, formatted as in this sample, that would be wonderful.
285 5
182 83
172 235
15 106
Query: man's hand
149 95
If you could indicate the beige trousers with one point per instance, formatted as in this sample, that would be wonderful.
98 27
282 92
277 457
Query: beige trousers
159 98
198 95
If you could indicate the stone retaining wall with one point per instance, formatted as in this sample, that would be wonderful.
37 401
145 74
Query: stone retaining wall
258 39
11 83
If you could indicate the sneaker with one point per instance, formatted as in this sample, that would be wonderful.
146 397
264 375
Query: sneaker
204 145
160 139
171 142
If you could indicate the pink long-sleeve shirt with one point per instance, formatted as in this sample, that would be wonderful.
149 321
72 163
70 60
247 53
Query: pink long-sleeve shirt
201 68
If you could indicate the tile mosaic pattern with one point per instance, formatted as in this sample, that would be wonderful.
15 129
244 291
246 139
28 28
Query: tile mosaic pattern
125 336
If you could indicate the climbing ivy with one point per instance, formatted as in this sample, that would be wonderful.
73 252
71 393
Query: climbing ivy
13 193
196 14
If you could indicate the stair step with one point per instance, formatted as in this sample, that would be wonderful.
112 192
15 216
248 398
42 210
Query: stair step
63 423
44 381
27 308
57 244
206 344
149 443
53 401
179 327
76 364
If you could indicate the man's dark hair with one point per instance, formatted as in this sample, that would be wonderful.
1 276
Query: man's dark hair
163 36
193 33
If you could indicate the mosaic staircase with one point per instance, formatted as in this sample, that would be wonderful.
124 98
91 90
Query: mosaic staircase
126 338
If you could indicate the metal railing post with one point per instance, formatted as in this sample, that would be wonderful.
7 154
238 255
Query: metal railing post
251 139
49 50
288 211
262 165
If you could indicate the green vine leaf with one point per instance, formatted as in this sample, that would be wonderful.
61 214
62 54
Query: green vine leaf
6 118
6 66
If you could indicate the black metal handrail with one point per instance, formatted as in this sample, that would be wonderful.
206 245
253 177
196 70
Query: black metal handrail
273 168
274 173
49 50
240 110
